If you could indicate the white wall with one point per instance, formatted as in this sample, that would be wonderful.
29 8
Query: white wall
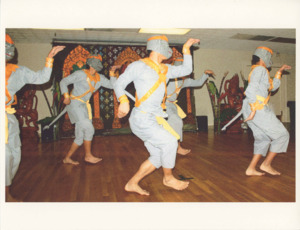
221 61
33 56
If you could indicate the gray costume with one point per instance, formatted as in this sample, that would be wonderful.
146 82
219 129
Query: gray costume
174 119
161 145
16 81
267 129
77 110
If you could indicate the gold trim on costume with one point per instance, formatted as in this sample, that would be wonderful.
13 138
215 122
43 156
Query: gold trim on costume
88 105
265 48
278 75
112 73
123 99
166 126
66 95
161 70
270 79
9 68
94 78
163 37
257 105
49 62
186 50
180 112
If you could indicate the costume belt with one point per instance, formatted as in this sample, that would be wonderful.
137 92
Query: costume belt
162 71
257 105
88 105
180 112
166 126
8 110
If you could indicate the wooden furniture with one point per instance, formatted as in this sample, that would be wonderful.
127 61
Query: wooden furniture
226 104
26 113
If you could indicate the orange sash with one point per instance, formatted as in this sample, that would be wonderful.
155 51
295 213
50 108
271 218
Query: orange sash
161 70
177 89
8 71
95 78
257 105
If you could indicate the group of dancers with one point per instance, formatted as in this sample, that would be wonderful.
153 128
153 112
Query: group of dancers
156 118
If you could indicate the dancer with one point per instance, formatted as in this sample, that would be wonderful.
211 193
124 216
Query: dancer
15 78
150 77
175 113
85 83
267 130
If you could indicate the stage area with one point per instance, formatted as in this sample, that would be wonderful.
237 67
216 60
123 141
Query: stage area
215 168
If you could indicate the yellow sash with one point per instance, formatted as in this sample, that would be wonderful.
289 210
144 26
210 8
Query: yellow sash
177 89
8 71
165 124
180 112
9 68
8 110
88 105
256 105
161 70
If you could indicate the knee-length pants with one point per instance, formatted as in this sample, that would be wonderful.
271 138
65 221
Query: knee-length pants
267 130
161 145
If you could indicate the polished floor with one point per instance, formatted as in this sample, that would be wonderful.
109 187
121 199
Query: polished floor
215 169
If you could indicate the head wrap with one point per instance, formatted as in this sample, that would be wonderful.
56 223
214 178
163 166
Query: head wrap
9 48
265 54
160 45
95 61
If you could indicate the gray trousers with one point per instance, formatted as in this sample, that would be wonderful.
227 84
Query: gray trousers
84 130
162 145
12 149
268 131
174 120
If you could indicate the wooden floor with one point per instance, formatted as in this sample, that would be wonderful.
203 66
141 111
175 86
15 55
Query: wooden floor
216 165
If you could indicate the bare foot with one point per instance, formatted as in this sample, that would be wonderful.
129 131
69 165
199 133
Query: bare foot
269 169
183 151
253 172
131 187
175 184
70 161
92 159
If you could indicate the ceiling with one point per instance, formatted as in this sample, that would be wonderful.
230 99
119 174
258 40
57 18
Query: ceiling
280 40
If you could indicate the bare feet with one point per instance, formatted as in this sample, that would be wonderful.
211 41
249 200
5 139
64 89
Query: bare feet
132 187
175 184
183 151
92 159
269 169
253 172
70 161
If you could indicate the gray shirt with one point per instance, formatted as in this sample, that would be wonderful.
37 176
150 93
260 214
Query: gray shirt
259 84
77 110
23 76
183 83
144 77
